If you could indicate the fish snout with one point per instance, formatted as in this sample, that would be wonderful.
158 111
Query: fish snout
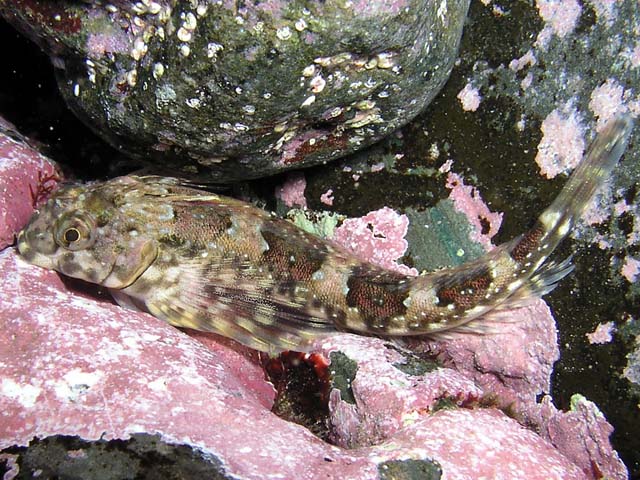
36 243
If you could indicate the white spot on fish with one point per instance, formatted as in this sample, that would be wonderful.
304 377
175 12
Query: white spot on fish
550 219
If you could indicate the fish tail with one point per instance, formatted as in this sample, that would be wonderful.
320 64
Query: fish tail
532 250
515 272
592 172
534 274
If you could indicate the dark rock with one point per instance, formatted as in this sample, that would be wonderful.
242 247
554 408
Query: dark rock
235 92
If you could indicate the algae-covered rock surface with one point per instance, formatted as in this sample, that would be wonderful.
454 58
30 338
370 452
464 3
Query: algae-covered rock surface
241 90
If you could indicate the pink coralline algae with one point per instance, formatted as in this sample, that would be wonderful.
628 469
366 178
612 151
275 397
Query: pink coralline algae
467 200
527 60
608 100
560 17
377 237
23 171
327 197
581 432
599 210
562 143
470 98
292 190
631 269
514 361
99 44
602 334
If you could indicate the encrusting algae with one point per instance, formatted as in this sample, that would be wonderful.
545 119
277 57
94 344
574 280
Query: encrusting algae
211 263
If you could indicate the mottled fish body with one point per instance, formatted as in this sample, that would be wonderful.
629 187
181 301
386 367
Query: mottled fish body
203 261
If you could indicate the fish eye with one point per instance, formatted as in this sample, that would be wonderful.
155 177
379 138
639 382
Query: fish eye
75 231
71 235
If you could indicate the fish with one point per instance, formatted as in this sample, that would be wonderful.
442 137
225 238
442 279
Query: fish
207 262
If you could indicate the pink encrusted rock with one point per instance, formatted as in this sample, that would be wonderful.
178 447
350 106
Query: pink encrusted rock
387 398
327 197
22 170
467 200
291 192
70 365
602 334
560 17
377 237
469 98
562 143
581 433
607 101
449 435
513 360
630 269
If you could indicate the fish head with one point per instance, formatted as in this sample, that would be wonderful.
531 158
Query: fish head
83 232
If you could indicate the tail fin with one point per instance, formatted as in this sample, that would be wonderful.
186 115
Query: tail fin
597 165
532 249
515 272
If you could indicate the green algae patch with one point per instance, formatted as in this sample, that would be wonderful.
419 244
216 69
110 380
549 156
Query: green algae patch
322 224
410 470
439 237
343 372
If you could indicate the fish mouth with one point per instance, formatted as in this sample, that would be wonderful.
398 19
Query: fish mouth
30 254
23 246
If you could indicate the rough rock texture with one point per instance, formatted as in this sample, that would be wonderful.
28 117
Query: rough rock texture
108 373
514 360
23 170
245 91
75 365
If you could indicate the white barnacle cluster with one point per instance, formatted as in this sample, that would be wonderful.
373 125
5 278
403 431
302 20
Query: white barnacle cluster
91 70
333 71
146 19
189 23
284 33
212 50
185 31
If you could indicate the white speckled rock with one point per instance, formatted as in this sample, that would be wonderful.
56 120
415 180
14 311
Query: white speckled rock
238 90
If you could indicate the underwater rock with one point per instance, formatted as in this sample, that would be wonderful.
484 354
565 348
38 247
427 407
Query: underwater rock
23 171
513 360
236 92
112 375
579 434
84 370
